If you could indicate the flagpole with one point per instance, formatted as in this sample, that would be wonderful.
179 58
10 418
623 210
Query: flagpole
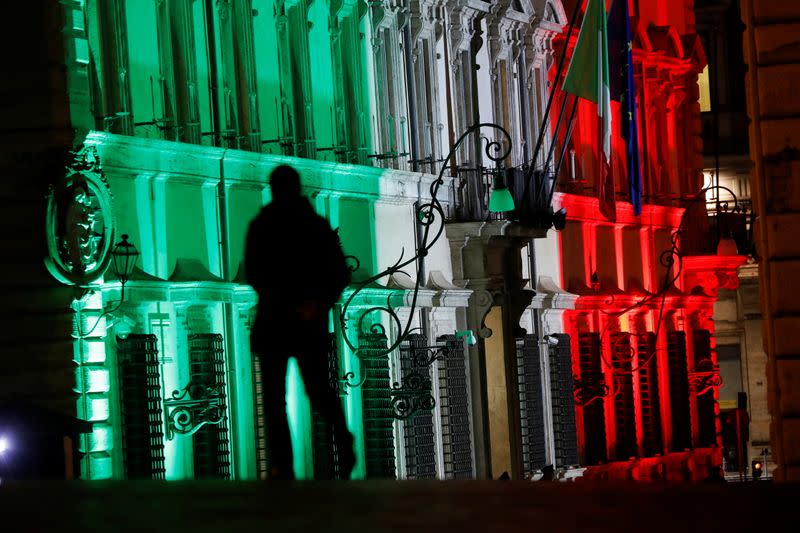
544 123
552 149
564 147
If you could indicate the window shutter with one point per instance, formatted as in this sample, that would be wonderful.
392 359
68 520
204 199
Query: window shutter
262 457
706 419
142 428
679 390
531 415
648 394
625 419
562 398
326 458
594 418
454 408
377 406
210 444
420 443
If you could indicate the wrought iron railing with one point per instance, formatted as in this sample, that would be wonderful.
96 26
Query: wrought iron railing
473 185
706 223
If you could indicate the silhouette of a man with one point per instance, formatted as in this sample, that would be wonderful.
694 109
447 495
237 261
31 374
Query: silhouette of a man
294 261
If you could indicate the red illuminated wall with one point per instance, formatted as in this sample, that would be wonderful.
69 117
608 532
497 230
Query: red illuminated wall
642 336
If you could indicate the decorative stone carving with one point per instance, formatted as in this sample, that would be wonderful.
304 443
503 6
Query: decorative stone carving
80 222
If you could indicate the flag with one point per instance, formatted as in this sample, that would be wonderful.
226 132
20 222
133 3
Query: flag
623 90
587 77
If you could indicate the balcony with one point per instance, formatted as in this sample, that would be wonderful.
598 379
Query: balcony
532 214
704 229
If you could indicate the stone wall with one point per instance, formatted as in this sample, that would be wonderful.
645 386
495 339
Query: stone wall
772 52
36 124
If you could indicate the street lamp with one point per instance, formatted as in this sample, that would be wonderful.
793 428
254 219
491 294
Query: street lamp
124 255
500 199
123 258
758 469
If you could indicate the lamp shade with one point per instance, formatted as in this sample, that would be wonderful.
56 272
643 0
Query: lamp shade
560 219
500 199
124 255
727 246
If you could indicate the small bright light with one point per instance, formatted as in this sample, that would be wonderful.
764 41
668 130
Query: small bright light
4 445
500 200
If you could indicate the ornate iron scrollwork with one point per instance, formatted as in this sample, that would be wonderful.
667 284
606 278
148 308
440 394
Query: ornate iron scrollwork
427 215
412 396
589 386
705 377
423 356
192 407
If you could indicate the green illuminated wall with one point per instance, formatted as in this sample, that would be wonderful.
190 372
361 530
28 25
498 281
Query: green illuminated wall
245 85
167 194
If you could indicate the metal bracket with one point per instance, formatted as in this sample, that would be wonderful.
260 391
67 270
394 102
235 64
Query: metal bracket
192 407
412 396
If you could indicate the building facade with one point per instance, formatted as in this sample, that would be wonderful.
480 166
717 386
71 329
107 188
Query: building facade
737 315
771 55
503 345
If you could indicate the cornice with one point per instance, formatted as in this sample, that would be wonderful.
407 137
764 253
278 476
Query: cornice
587 209
170 161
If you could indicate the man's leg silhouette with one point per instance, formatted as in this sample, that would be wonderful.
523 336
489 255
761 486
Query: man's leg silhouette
279 442
310 348
313 363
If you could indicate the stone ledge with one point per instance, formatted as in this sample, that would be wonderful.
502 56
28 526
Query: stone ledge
785 286
791 441
777 133
772 11
778 44
778 86
781 236
789 391
787 342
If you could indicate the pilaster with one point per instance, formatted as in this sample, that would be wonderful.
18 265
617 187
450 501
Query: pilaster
771 53
243 83
107 18
294 60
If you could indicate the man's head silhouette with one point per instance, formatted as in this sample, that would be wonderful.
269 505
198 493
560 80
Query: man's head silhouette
285 184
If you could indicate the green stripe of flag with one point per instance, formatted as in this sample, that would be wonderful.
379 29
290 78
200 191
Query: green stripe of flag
588 62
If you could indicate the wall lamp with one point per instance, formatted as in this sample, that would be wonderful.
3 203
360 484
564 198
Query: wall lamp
500 199
123 260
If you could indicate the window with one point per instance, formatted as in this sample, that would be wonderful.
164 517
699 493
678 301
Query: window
705 91
140 384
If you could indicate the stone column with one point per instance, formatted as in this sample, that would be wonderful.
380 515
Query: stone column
296 97
423 22
772 52
178 70
486 256
390 70
351 107
465 41
539 58
241 386
111 65
754 362
243 83
498 30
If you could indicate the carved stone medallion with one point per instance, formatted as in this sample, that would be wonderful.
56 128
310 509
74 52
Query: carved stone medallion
80 222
